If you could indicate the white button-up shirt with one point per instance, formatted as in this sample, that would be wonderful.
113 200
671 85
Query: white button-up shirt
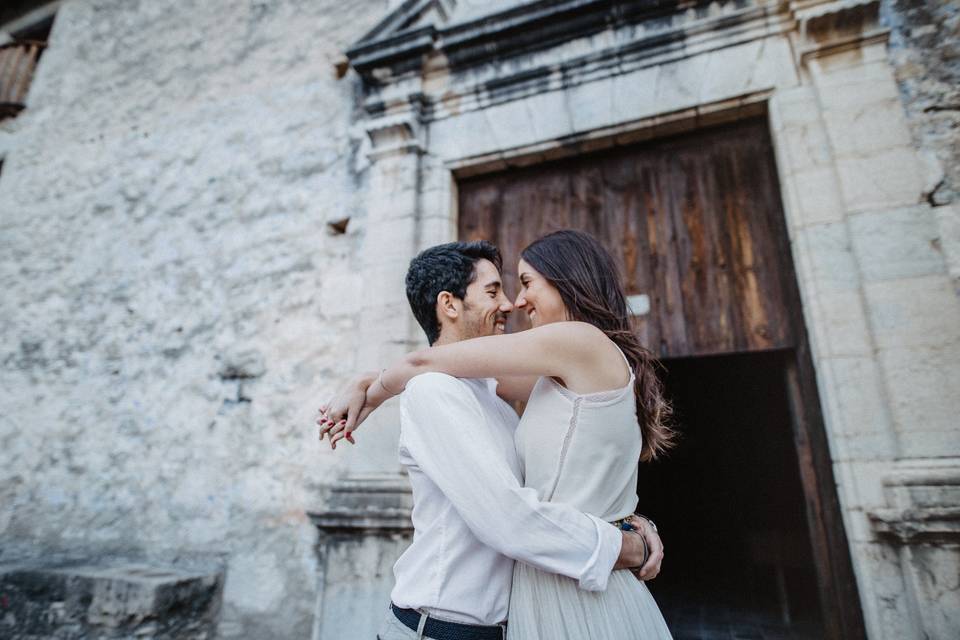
471 516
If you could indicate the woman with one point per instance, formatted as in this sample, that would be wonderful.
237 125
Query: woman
594 407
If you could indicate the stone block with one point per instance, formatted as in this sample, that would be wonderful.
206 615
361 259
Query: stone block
464 135
635 95
859 421
550 116
818 197
108 600
729 71
888 178
500 127
899 243
924 390
838 84
828 258
841 324
868 128
794 107
769 66
804 146
925 444
678 84
590 105
913 312
867 478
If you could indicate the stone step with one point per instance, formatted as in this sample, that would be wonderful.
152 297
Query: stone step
77 601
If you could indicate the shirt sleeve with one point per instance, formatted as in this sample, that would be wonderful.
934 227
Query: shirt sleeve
443 429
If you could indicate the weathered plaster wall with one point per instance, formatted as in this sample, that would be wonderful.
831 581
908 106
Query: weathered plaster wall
925 51
168 317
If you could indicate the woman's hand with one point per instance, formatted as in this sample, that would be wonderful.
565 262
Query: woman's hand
651 568
344 413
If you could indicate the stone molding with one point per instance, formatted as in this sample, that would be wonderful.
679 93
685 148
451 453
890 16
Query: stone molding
398 134
840 26
923 504
396 66
372 505
534 25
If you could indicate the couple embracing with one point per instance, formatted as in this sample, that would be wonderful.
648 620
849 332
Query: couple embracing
528 519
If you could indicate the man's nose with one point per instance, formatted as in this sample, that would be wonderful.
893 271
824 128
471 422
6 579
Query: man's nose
505 305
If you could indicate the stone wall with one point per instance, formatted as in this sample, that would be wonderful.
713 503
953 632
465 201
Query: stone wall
925 52
167 323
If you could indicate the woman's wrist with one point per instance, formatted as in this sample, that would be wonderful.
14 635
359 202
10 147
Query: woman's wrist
377 394
383 385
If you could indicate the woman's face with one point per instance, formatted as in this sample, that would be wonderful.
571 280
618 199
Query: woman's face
539 299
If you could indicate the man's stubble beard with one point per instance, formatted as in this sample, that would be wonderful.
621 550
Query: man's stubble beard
475 327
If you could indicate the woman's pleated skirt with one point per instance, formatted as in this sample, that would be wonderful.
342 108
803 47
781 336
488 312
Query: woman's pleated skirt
546 606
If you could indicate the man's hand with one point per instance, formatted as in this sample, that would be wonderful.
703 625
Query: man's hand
635 544
341 415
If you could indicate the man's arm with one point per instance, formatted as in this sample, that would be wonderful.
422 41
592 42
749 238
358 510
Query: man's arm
443 429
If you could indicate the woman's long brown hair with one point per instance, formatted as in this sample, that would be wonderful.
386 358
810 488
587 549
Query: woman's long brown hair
588 281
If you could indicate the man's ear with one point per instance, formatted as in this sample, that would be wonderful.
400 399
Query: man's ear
448 305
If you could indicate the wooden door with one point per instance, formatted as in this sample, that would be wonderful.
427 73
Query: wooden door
696 224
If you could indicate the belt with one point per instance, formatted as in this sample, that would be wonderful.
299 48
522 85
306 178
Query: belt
443 630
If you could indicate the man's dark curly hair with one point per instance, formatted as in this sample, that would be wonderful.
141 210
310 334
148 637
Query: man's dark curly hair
445 267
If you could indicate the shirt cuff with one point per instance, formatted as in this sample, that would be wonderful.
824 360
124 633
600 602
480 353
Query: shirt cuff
596 573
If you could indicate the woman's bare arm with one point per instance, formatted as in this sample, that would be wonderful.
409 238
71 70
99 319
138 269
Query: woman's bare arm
571 351
578 353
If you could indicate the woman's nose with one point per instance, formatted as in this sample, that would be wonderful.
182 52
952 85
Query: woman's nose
521 301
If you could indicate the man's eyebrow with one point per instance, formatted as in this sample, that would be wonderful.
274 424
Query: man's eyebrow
493 284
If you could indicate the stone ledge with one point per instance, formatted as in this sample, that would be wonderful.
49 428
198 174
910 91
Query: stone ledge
375 505
923 498
74 600
912 526
839 26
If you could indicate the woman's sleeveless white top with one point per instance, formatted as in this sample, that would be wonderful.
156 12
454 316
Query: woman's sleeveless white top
582 449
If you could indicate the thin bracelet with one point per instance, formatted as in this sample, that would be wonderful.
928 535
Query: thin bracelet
380 380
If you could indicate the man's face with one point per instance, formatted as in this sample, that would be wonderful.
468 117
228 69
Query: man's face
485 305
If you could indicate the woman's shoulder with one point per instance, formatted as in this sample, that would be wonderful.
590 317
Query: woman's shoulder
598 358
593 339
582 332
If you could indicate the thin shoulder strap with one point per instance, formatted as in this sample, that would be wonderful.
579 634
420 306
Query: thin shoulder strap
625 359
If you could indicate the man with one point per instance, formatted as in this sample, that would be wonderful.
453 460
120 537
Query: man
472 518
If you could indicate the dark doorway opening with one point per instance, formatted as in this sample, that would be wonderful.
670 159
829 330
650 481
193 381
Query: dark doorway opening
729 504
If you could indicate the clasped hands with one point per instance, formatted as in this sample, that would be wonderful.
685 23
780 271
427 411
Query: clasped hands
350 406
